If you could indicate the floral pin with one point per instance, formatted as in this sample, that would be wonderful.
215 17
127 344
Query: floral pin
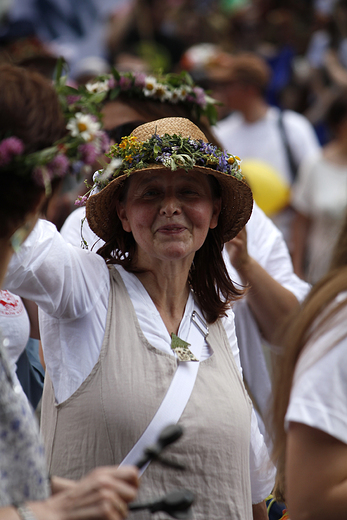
181 349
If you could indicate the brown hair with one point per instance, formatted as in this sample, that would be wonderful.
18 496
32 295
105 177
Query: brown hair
208 276
250 69
297 333
29 110
150 110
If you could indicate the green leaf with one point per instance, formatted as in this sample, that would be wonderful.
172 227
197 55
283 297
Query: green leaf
114 93
115 73
177 342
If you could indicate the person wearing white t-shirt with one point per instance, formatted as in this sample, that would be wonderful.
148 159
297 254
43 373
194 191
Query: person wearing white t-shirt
254 127
320 198
310 405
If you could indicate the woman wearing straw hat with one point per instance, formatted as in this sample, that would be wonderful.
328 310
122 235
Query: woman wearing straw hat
142 333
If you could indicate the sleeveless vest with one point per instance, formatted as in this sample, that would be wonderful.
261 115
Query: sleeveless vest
103 419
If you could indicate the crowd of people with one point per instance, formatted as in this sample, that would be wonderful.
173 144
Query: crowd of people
202 279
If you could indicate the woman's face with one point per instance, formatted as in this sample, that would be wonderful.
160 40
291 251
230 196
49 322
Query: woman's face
169 214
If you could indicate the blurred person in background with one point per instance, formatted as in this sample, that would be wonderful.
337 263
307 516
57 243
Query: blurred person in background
262 131
320 198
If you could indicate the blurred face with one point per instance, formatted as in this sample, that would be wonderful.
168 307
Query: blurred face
169 214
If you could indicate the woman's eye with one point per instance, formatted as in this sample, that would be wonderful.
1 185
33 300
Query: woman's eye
151 193
189 191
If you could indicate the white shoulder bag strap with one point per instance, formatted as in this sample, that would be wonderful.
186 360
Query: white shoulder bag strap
177 396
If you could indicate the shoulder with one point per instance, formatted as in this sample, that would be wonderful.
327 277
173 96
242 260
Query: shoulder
319 393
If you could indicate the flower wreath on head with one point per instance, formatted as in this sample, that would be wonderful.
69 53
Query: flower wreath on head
172 151
72 154
171 88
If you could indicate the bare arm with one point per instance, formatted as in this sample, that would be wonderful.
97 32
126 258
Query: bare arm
316 474
300 230
335 69
269 301
102 495
260 511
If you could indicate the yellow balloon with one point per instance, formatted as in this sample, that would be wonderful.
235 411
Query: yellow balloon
270 191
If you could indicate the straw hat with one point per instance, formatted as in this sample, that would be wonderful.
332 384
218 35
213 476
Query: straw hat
237 200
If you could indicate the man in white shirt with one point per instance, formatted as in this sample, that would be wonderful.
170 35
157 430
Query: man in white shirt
260 131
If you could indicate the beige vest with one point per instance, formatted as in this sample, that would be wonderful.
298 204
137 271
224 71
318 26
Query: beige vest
103 419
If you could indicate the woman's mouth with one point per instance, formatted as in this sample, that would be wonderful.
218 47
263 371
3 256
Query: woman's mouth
171 229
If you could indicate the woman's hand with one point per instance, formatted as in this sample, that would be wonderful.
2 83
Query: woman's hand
238 253
103 495
269 301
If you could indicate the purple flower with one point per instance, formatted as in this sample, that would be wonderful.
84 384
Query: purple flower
111 83
200 96
81 200
104 142
72 99
59 166
41 176
124 83
9 148
140 80
223 163
88 153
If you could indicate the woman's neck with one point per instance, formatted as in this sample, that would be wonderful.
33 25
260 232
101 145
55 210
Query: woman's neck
169 290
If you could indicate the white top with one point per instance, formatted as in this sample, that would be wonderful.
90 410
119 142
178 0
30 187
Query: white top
267 246
320 193
71 287
263 140
15 326
324 360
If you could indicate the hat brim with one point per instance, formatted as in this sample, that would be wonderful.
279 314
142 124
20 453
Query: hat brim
237 203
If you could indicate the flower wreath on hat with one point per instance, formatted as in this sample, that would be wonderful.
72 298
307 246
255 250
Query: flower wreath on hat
171 88
169 143
75 152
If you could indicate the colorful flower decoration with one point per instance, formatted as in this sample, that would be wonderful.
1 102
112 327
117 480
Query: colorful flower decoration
172 151
76 152
172 88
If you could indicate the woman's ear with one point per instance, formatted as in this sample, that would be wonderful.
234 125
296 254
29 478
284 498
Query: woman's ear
121 212
217 207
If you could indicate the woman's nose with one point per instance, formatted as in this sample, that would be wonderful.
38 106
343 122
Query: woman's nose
170 206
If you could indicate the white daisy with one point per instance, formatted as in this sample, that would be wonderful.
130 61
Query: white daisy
83 125
97 86
150 86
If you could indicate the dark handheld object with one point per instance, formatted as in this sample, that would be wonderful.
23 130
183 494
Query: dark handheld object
168 435
176 504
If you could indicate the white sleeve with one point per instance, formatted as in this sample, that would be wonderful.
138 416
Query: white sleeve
302 138
262 470
302 188
76 229
65 281
267 246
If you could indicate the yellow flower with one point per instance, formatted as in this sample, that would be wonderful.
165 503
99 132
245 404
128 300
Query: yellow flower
231 159
129 158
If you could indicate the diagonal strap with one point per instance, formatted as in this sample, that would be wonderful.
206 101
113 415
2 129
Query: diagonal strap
177 396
